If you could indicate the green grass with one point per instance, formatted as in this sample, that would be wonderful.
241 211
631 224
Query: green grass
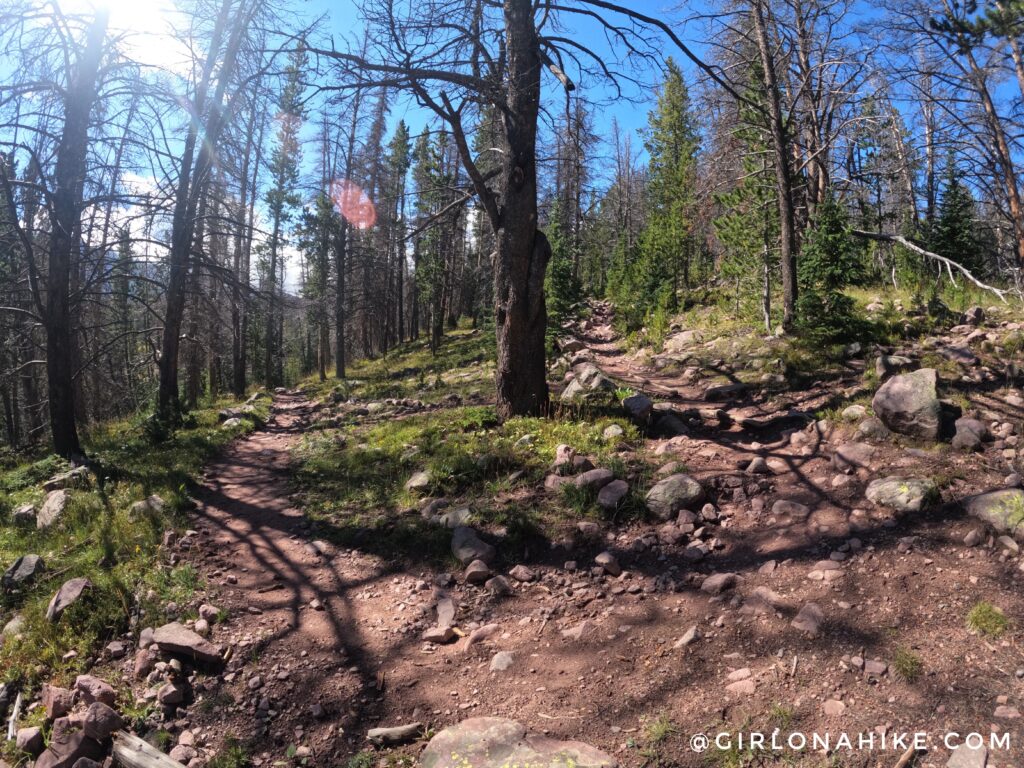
659 729
907 665
987 620
100 538
232 754
352 471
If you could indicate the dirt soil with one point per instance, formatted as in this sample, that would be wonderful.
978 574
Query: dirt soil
326 643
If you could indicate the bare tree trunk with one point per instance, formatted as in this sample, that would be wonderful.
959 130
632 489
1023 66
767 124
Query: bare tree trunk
522 250
783 184
186 199
69 179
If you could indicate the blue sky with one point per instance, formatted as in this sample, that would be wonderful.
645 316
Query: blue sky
630 112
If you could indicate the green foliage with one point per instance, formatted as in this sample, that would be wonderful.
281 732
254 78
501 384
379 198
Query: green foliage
101 538
907 665
644 281
987 620
830 261
562 288
955 233
748 227
231 755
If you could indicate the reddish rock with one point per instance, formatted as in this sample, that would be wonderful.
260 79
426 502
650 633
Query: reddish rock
101 721
178 639
94 689
57 701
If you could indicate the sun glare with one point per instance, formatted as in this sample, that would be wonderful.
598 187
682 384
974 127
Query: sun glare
145 24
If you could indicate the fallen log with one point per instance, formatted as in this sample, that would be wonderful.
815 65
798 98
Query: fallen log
132 752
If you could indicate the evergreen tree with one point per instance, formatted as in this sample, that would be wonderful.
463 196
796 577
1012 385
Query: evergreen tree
955 233
830 261
645 280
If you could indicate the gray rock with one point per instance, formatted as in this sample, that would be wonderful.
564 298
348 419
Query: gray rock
454 518
1002 510
399 734
14 627
498 586
725 392
909 404
613 432
477 572
439 635
612 495
53 508
902 494
887 365
582 632
56 701
75 478
101 721
467 546
171 694
608 563
177 639
717 583
809 619
24 515
23 571
872 428
853 456
522 573
676 492
639 408
501 661
791 509
446 610
968 757
690 636
594 479
971 434
30 740
93 689
491 742
67 747
854 413
70 592
420 481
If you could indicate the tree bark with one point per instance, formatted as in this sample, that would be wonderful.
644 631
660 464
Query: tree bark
523 251
783 182
69 179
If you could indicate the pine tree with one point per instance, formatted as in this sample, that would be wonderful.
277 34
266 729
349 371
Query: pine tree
829 262
646 279
281 199
955 233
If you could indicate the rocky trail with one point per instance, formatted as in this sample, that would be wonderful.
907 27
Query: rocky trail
807 575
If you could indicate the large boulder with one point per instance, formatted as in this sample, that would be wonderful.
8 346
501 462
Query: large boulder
902 494
909 404
676 492
1002 510
494 742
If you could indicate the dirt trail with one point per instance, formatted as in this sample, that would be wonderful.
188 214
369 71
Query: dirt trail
327 643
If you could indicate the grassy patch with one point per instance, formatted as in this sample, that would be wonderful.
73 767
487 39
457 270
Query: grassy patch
352 472
907 665
987 620
102 538
232 754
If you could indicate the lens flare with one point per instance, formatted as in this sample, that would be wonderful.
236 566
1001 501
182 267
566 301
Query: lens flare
355 205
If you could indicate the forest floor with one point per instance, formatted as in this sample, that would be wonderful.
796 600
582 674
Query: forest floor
791 603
